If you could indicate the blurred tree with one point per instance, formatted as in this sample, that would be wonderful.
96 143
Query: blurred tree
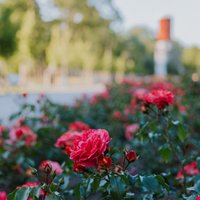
191 58
136 48
88 35
8 29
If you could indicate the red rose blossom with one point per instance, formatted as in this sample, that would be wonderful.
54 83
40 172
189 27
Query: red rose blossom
160 98
131 156
23 133
78 126
89 148
3 196
51 166
190 169
66 141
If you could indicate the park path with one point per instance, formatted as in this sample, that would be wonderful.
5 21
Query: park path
9 102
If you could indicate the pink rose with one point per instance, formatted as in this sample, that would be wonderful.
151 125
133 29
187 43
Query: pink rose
51 166
78 126
66 141
89 147
130 131
3 196
23 133
139 93
190 169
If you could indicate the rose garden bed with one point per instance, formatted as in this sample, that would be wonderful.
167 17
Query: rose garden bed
136 140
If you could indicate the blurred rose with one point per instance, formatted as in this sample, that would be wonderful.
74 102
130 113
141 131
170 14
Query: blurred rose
130 131
78 126
53 166
190 169
3 196
23 133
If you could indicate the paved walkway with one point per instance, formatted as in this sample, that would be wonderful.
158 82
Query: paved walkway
9 103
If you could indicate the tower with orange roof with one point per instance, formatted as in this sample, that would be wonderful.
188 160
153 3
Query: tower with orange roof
162 47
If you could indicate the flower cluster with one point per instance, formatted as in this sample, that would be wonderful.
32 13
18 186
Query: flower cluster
159 98
23 133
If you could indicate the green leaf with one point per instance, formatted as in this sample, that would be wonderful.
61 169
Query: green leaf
95 184
11 196
162 182
166 153
23 193
181 133
150 184
198 162
133 179
117 187
196 187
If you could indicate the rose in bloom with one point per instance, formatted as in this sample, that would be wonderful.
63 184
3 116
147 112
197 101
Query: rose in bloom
190 169
130 131
66 141
3 196
160 98
23 133
131 156
78 126
51 166
89 148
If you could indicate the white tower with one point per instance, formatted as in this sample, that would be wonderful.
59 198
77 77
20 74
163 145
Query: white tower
162 48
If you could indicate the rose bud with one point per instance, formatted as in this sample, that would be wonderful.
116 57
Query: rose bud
19 133
24 94
105 162
131 156
118 169
78 168
143 109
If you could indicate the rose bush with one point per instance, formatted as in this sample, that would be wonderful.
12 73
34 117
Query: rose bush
56 151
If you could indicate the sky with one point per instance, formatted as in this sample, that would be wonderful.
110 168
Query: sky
185 16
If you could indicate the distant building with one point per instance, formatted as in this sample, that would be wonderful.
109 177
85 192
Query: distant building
163 47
